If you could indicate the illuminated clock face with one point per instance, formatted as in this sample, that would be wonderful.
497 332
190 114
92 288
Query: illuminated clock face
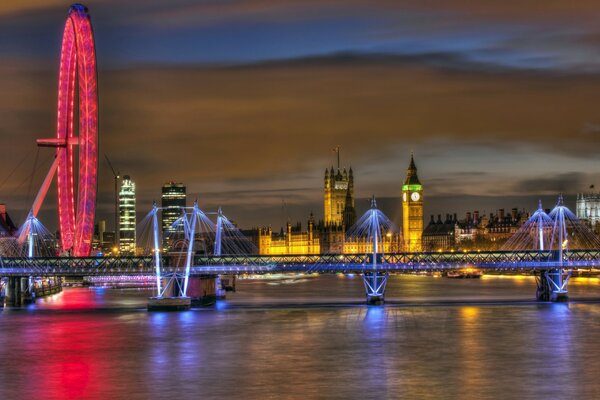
404 197
415 196
341 185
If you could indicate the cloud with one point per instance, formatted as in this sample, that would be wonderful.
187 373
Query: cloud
523 35
250 135
554 184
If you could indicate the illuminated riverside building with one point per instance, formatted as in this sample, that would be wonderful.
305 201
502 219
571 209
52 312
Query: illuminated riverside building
173 199
292 241
328 236
127 219
412 209
588 209
338 198
317 240
474 232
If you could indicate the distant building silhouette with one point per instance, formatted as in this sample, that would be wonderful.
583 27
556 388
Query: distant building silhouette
7 227
474 232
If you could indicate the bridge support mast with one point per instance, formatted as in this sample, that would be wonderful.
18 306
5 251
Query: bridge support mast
217 251
553 283
201 289
374 280
171 294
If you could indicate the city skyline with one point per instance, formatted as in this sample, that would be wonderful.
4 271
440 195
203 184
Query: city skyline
261 199
497 122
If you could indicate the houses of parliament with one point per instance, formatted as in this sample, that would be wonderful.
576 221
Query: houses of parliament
329 235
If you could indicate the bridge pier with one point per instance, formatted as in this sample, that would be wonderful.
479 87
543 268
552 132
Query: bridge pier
552 285
170 298
17 291
12 292
219 288
203 290
228 283
375 283
26 293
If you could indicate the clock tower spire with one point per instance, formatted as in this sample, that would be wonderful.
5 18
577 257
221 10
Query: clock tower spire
412 209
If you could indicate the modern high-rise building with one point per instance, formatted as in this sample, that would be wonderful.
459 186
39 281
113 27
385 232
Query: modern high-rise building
127 220
173 200
412 209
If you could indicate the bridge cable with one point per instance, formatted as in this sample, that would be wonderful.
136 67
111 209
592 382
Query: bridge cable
11 173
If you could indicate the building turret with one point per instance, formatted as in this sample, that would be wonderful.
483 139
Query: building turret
349 211
338 193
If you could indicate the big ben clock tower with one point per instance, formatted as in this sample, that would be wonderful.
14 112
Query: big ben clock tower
412 209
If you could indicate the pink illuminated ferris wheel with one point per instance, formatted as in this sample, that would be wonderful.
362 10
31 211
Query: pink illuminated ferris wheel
77 95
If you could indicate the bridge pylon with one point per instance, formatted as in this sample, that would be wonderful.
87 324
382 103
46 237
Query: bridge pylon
218 251
171 284
371 228
176 289
557 279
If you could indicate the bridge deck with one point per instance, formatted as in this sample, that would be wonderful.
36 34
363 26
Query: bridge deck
325 263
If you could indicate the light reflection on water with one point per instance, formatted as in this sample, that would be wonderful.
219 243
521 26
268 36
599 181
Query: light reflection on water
99 344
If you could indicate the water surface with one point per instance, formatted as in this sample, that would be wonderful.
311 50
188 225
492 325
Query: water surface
309 338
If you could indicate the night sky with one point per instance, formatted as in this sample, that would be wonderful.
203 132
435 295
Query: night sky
243 101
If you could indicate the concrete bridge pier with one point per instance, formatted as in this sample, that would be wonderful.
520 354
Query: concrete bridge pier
12 292
375 283
552 285
25 289
170 298
203 290
219 288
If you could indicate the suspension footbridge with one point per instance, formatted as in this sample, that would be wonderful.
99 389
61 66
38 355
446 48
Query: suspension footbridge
204 246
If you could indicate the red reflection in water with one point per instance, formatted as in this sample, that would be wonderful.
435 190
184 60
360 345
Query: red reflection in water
72 299
74 365
74 378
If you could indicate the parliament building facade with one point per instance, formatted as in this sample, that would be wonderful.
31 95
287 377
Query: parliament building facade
328 236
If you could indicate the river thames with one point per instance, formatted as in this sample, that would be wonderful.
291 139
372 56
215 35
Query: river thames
309 338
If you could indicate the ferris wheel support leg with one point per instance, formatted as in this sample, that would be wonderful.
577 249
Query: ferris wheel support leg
39 198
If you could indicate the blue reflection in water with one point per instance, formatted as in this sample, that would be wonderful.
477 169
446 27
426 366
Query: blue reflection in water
221 305
375 346
375 317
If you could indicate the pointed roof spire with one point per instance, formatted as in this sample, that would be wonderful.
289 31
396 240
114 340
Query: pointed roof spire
348 195
373 202
411 172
